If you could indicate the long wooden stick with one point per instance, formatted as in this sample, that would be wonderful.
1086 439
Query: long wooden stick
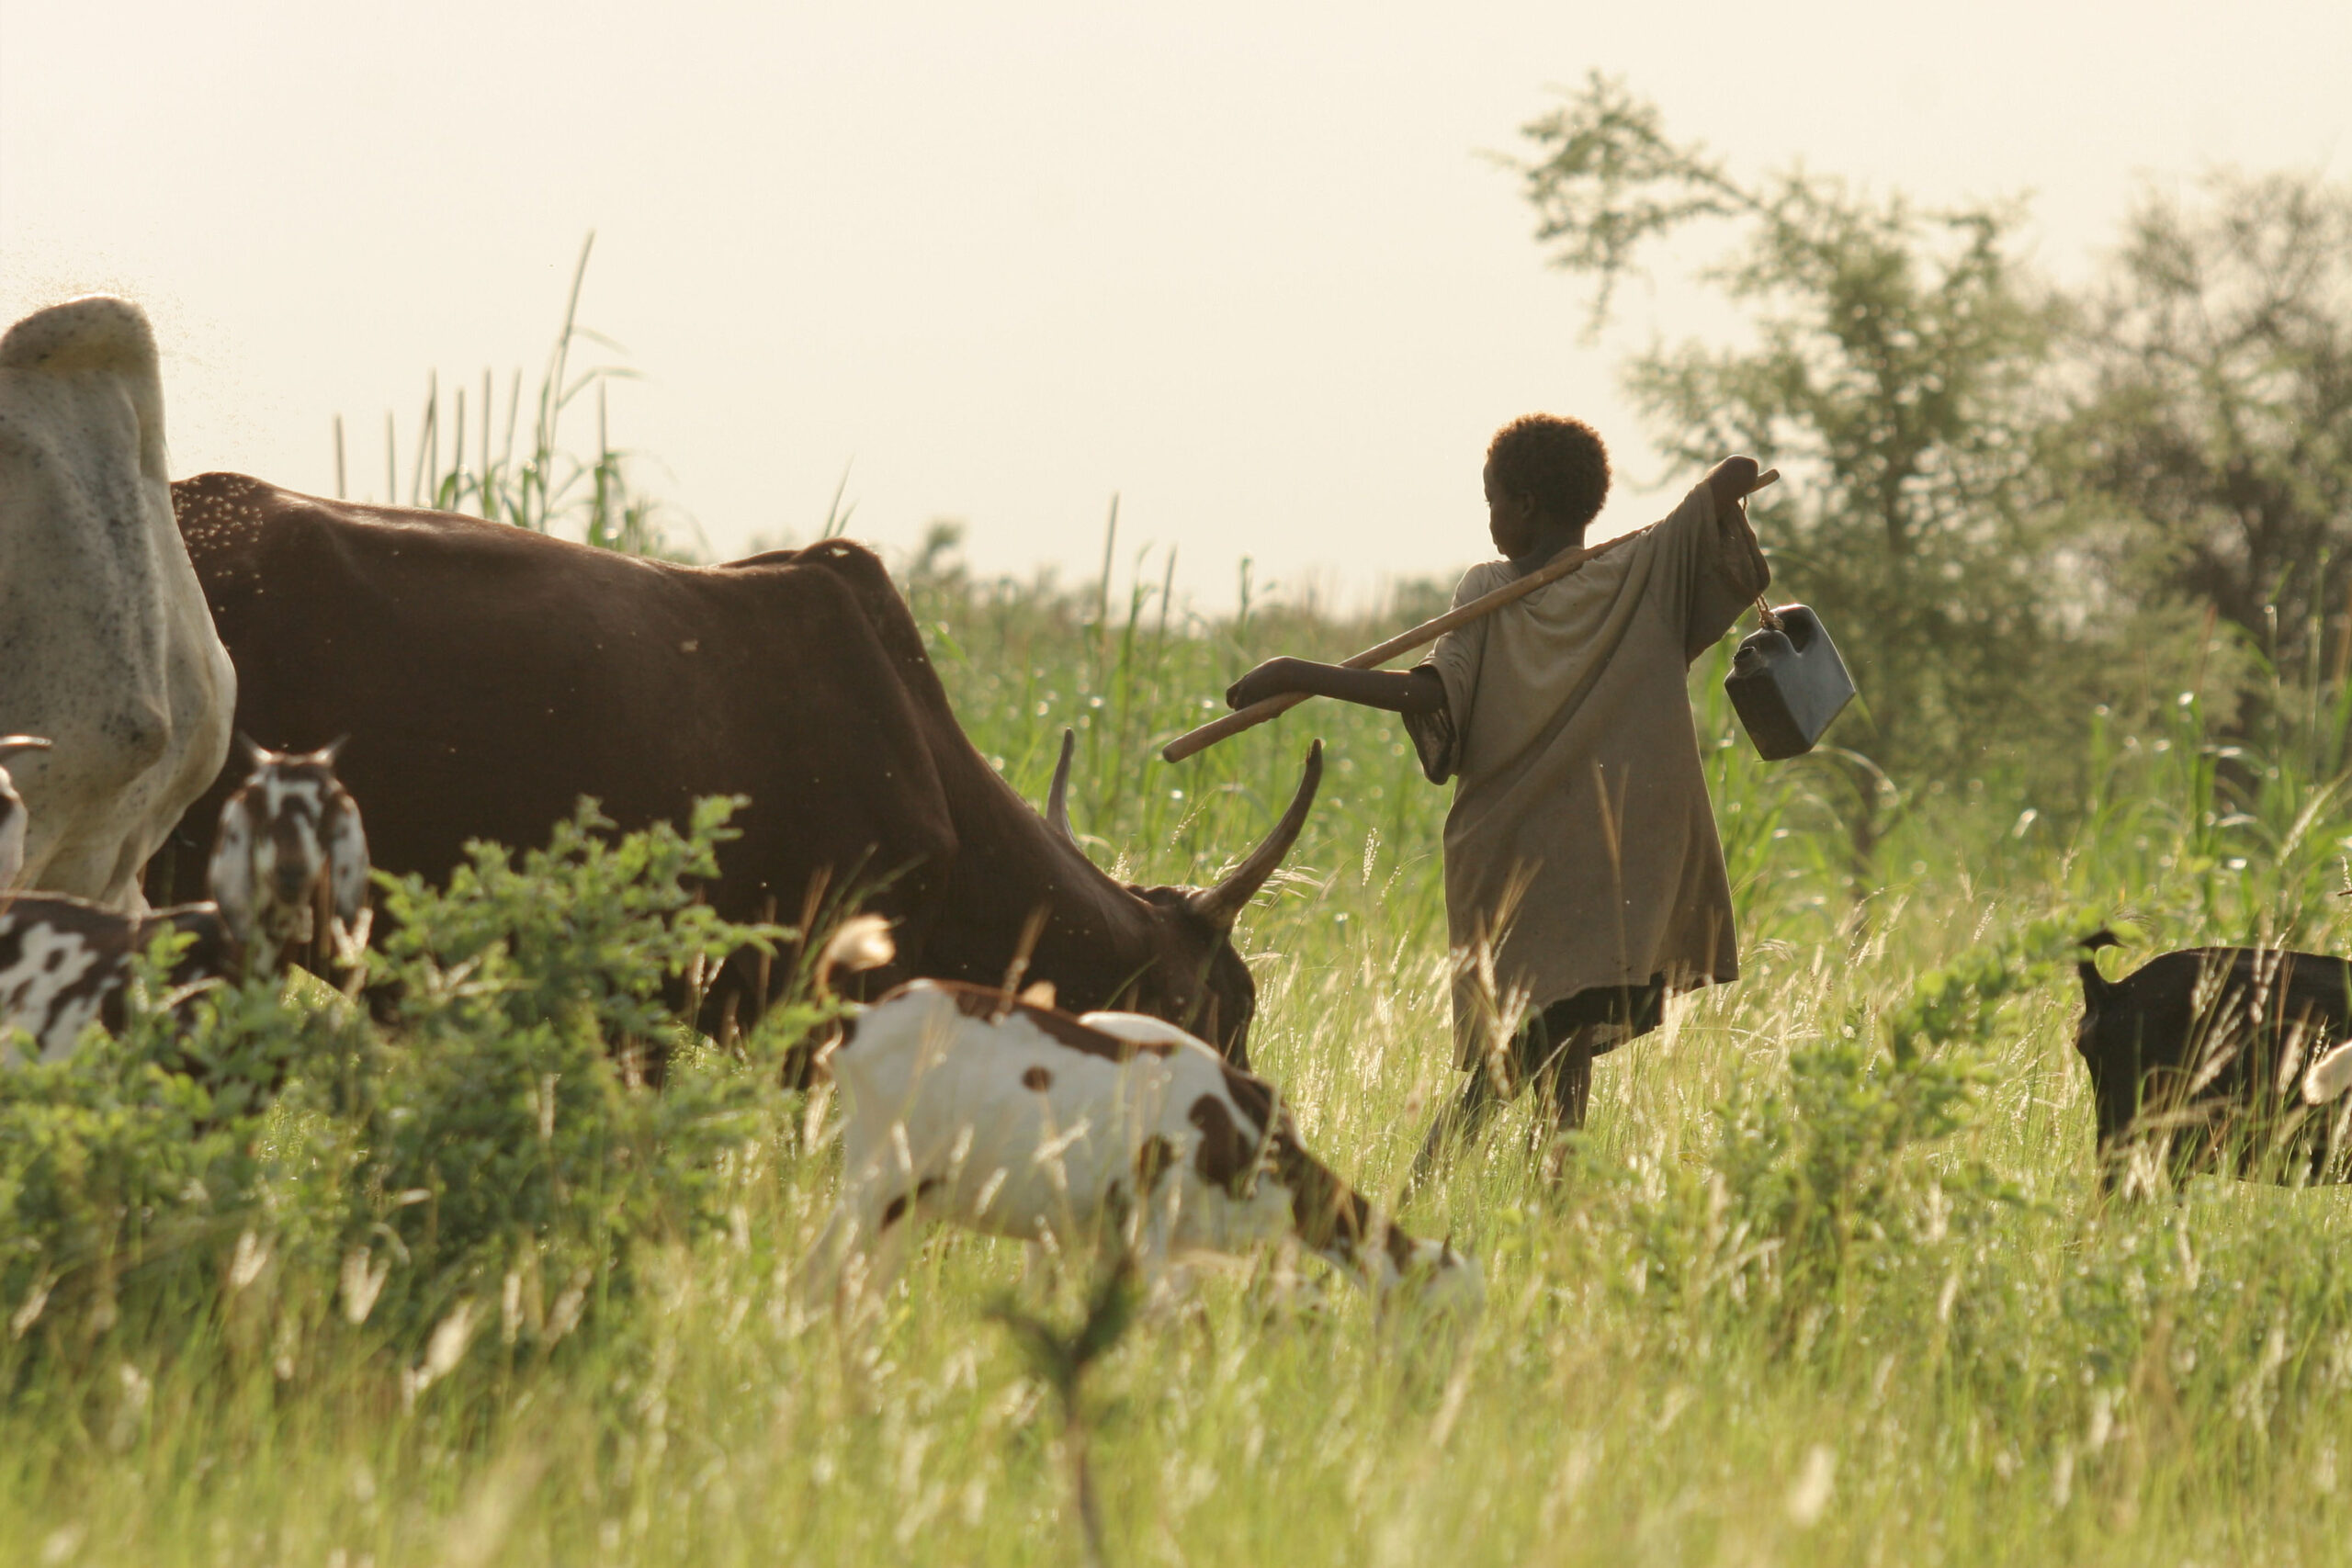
1197 740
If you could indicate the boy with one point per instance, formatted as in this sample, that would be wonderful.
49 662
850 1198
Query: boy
1583 874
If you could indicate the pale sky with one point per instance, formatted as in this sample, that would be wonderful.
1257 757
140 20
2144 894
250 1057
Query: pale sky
1241 264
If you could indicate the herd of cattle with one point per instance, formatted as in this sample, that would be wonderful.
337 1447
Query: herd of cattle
486 679
468 680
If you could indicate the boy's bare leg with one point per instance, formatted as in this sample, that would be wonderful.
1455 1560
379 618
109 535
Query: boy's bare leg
1455 1125
1565 1084
1576 1076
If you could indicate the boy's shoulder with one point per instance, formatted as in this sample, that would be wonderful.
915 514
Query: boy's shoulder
1484 578
1615 553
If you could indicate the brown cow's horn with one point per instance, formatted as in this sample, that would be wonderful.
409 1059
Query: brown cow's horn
1057 795
1222 905
11 744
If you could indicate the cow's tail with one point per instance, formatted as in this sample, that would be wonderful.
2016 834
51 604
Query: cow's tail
2097 987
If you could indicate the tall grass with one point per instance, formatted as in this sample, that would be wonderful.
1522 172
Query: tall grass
461 461
1827 1281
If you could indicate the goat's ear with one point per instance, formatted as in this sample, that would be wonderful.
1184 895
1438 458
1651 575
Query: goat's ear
860 943
258 756
230 876
331 751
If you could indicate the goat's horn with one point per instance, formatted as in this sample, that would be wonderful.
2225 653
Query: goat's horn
1222 905
11 744
1058 793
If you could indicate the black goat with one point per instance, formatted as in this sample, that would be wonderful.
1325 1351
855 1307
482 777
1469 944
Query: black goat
2220 1059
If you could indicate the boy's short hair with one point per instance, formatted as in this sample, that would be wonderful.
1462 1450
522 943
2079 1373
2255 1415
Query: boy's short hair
1560 462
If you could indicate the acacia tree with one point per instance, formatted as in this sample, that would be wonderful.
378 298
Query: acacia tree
1895 376
2212 423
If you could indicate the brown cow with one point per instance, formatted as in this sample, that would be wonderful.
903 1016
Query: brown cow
488 676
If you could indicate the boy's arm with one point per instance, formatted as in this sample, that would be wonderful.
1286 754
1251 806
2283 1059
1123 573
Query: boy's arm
1715 566
1418 690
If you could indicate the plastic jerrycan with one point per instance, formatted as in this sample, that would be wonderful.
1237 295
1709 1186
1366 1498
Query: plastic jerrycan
1787 682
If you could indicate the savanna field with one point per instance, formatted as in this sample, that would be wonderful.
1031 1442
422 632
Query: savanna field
1827 1281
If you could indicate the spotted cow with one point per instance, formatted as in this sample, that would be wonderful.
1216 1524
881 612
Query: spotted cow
964 1105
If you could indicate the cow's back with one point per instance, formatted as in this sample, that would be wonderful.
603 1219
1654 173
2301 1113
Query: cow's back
488 677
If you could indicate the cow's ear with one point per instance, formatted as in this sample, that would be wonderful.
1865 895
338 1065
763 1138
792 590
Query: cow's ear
331 751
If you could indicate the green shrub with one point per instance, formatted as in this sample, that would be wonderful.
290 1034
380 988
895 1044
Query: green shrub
133 1165
513 1151
492 1146
1840 1173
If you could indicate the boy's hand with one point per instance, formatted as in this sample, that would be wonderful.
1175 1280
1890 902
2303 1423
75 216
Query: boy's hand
1731 479
1272 679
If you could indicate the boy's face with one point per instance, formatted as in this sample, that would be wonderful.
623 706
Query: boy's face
1510 519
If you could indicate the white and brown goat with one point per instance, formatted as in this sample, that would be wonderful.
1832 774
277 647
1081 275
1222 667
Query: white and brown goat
290 849
962 1104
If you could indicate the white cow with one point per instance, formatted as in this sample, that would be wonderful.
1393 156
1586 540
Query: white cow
961 1104
106 645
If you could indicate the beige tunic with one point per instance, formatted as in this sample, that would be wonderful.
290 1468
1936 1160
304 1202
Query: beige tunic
1581 850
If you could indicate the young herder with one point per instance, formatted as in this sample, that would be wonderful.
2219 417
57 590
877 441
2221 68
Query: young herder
1583 873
